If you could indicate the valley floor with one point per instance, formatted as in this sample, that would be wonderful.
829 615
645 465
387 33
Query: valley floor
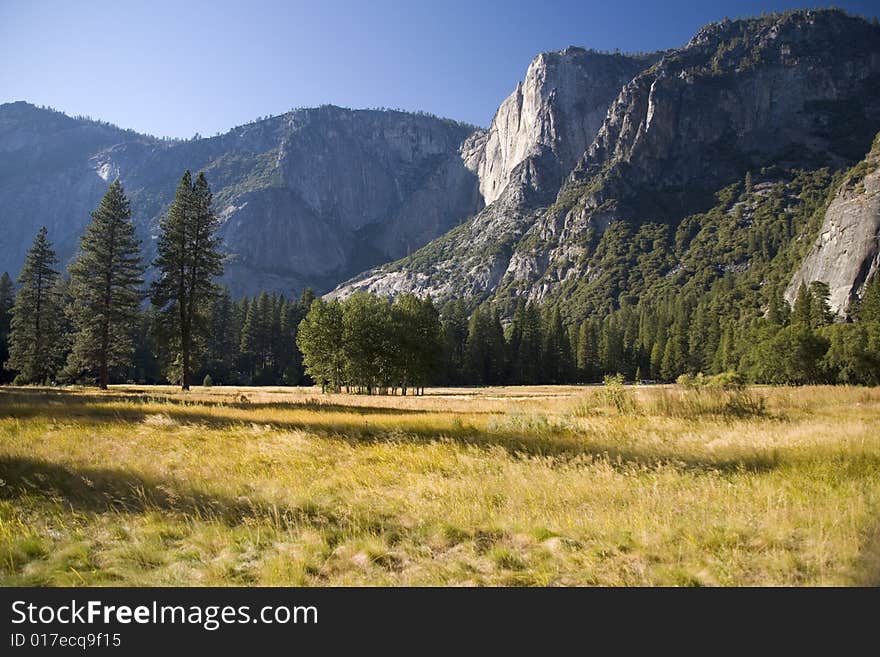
507 486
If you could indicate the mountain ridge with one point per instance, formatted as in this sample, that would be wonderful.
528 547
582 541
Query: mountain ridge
328 190
798 90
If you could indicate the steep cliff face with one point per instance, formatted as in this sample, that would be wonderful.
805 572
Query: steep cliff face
794 89
538 135
847 252
47 177
307 198
790 91
558 108
800 90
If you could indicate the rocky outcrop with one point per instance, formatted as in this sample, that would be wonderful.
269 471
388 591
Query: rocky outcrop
558 108
847 252
537 137
793 90
307 198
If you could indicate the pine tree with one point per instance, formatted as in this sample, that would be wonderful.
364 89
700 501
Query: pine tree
556 357
803 306
869 306
611 355
188 260
513 337
7 298
485 347
528 357
820 312
35 330
256 336
454 322
777 310
224 339
587 359
658 349
105 287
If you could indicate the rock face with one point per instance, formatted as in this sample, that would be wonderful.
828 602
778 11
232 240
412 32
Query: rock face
307 198
794 90
847 251
557 110
537 137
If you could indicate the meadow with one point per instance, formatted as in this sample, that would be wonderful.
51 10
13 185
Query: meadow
645 485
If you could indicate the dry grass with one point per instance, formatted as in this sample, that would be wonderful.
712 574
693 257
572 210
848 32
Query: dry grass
521 486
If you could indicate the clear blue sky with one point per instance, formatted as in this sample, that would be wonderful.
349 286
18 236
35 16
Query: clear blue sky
176 68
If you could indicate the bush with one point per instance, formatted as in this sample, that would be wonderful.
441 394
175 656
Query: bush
207 381
616 395
724 381
727 381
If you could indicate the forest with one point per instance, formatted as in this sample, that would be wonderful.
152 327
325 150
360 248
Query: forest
99 323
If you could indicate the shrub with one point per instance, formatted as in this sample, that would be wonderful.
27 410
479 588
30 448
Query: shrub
727 381
207 381
616 395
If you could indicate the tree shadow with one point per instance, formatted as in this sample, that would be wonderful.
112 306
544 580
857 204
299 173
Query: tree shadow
105 490
48 397
867 568
354 427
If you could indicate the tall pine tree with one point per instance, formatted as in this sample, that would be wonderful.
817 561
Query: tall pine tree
189 260
35 331
7 298
105 288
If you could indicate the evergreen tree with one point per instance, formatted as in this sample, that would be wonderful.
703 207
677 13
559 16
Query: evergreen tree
611 356
849 358
35 338
7 298
223 340
820 312
528 369
657 352
587 356
485 347
556 356
256 336
513 337
777 310
454 323
105 288
869 306
188 260
803 307
290 363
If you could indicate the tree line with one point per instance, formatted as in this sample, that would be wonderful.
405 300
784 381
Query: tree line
95 326
84 327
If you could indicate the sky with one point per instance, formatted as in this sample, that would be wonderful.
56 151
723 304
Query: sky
179 68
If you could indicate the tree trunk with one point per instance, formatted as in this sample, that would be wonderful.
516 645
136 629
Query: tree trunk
104 374
184 375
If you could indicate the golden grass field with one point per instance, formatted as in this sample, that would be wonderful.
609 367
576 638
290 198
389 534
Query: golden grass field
492 486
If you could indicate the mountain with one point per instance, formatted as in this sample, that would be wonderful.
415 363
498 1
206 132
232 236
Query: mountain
846 254
537 136
758 101
307 198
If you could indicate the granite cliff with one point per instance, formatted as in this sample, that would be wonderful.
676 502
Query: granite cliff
307 198
771 95
846 253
